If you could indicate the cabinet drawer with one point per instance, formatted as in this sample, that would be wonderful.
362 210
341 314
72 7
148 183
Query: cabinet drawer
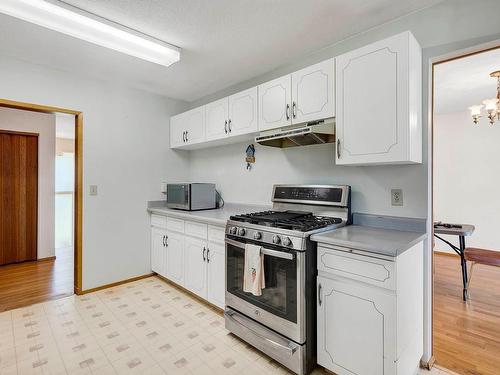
369 270
159 221
216 234
196 229
175 224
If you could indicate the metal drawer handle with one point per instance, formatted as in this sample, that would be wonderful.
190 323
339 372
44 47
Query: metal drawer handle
276 254
163 240
184 136
294 109
288 111
208 253
229 125
290 350
225 126
338 148
187 140
166 240
319 294
204 249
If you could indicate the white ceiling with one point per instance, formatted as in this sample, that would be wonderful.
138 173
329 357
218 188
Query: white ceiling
464 82
223 42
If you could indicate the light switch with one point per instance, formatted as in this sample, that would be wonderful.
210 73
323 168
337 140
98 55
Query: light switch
93 190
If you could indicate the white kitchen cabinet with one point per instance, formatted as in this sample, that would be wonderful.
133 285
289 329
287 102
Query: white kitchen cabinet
158 250
187 128
243 113
216 274
378 103
217 119
355 330
195 266
175 257
369 311
313 92
275 103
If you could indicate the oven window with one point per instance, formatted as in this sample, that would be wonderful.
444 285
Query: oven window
280 294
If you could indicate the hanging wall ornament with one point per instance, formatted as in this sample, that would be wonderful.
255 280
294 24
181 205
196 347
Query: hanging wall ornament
250 159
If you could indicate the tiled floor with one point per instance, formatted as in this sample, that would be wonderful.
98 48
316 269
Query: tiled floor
147 327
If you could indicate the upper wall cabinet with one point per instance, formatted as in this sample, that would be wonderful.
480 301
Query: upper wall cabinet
274 103
303 96
313 92
233 115
188 128
378 103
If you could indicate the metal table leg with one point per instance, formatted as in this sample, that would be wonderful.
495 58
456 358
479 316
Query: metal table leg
463 262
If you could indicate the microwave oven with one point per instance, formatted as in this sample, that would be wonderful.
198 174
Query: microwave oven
191 196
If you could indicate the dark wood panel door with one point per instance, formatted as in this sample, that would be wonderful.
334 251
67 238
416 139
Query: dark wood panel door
18 196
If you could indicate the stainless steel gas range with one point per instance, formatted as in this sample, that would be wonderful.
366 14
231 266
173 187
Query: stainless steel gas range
282 321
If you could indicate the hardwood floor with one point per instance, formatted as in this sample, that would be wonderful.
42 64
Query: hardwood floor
466 335
27 283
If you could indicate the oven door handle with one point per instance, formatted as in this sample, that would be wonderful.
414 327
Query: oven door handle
263 250
234 317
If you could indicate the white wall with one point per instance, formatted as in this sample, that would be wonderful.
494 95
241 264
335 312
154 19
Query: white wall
446 23
125 153
45 126
467 177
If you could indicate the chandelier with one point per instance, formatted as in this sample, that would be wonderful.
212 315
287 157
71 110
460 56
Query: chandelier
491 106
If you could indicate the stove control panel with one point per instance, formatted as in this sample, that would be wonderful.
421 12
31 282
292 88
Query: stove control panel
263 236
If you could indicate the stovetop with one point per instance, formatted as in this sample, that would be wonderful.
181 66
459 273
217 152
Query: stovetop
302 221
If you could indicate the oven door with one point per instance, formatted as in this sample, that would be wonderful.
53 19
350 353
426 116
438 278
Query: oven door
178 196
281 305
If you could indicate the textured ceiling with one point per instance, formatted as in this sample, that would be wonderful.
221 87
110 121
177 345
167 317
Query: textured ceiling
464 82
223 41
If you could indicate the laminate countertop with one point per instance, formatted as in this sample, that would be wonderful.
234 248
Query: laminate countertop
218 216
387 242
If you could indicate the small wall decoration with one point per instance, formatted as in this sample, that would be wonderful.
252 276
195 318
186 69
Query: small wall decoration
250 159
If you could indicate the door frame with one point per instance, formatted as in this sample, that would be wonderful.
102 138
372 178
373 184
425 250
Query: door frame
429 360
78 198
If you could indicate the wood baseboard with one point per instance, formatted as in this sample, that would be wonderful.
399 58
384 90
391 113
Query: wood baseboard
204 301
446 254
87 291
428 365
46 259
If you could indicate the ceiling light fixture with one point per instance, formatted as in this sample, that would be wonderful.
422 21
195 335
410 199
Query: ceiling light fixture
491 106
61 17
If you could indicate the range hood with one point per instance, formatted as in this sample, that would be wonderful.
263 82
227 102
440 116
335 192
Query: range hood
312 133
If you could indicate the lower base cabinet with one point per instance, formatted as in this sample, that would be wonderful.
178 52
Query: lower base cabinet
191 255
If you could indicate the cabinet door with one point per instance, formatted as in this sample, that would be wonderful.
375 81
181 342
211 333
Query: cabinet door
243 112
372 103
158 250
216 119
356 328
313 92
216 274
175 257
177 129
275 103
195 280
195 125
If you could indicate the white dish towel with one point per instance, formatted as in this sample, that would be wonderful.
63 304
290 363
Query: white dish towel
253 278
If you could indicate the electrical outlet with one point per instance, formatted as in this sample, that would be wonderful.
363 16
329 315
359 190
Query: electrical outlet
397 197
163 187
93 189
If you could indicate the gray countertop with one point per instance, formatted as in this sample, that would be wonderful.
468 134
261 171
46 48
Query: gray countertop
388 242
217 216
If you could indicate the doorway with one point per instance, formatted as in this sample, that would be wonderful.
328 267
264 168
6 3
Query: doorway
466 164
56 269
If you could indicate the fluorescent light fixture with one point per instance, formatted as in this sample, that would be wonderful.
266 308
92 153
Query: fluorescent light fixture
72 21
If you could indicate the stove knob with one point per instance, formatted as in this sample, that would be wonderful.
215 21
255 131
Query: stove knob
241 231
276 240
232 230
257 236
287 241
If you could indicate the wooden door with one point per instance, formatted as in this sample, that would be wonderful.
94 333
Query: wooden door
275 103
18 196
313 92
243 114
216 119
